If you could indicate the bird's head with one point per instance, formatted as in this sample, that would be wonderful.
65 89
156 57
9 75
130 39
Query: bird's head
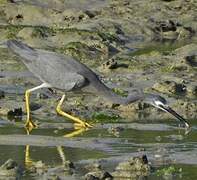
160 103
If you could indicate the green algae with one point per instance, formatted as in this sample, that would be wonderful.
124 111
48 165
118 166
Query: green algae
102 117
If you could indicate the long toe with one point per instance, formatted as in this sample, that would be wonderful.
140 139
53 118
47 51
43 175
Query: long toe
31 125
82 125
28 129
88 125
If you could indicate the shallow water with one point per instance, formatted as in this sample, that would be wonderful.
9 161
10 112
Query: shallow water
163 141
164 144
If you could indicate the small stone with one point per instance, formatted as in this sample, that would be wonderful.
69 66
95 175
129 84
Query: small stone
10 169
115 131
176 137
55 131
96 172
9 164
93 167
169 87
191 90
98 175
69 165
17 112
110 64
42 96
34 106
158 138
191 60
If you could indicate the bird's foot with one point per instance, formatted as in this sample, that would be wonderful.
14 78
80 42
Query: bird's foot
82 125
76 132
30 125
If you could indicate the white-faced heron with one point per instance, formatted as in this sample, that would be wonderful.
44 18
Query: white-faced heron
65 73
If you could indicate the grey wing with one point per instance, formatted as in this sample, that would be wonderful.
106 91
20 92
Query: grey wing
55 70
66 82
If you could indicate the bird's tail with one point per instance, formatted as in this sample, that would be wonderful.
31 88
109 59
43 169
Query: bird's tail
19 44
21 49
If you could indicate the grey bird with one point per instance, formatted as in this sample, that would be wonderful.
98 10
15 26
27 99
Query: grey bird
65 73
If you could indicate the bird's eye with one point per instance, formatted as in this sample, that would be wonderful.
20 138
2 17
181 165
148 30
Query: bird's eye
159 103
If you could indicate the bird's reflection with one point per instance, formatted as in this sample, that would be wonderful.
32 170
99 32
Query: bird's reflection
29 162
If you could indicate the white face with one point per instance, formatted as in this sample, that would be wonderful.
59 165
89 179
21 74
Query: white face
159 105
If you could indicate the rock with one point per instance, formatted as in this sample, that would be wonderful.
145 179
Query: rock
34 106
115 130
39 169
96 173
92 13
174 137
169 87
74 15
110 64
191 60
42 96
133 107
183 32
135 167
10 169
184 59
186 50
192 90
15 114
69 165
171 30
187 106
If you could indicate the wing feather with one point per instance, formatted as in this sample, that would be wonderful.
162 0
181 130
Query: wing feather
56 70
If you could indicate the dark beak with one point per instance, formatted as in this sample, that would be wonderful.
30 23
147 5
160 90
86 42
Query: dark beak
171 111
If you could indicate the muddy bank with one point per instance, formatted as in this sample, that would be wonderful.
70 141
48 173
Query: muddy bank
131 166
147 51
136 167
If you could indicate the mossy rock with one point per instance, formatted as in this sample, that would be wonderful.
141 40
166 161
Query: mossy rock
170 87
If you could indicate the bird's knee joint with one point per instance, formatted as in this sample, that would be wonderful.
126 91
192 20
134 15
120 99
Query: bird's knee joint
27 92
58 109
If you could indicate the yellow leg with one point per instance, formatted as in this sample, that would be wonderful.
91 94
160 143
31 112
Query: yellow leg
76 132
29 123
69 135
28 160
79 123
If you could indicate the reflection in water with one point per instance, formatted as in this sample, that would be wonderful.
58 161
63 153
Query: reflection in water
29 161
164 144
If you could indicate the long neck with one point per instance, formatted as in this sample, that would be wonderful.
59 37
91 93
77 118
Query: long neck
108 94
